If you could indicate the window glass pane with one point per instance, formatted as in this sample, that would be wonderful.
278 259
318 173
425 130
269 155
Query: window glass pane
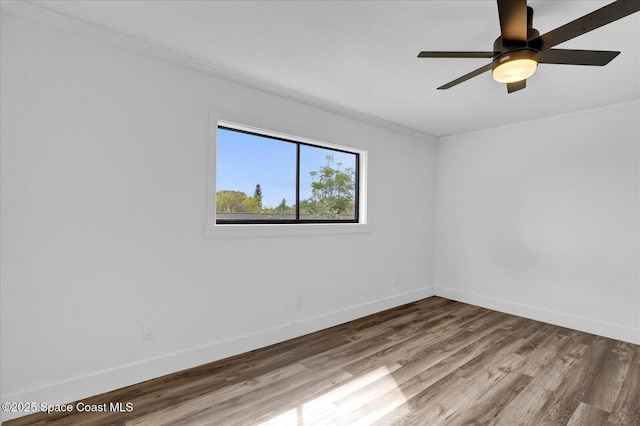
255 177
327 184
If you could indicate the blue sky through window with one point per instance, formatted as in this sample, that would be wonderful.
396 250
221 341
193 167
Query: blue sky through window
243 160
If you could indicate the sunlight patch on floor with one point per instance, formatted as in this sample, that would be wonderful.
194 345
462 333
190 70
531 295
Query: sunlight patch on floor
339 405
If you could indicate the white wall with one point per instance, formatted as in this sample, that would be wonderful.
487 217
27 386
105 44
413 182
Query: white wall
104 176
542 220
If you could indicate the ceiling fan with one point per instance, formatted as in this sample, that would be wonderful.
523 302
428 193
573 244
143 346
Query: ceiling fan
520 47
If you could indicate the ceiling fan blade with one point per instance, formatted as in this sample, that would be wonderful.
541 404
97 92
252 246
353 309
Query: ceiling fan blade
428 54
466 77
518 85
513 20
596 19
576 57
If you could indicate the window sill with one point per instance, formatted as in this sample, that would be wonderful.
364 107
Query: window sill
288 230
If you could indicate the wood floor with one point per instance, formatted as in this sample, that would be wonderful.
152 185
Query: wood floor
431 362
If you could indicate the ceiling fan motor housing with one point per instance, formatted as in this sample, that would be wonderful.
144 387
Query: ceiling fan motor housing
522 56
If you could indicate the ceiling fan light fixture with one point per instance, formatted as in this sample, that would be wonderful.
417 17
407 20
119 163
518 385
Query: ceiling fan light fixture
515 66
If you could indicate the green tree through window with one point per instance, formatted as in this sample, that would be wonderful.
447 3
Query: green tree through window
332 192
323 181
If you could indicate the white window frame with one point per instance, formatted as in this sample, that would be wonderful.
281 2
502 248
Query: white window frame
213 230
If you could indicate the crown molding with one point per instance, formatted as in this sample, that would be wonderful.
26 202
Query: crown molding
27 10
629 105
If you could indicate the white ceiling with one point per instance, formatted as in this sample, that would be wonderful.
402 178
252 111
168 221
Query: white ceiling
360 56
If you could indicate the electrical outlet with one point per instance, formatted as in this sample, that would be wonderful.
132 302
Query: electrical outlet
298 301
148 331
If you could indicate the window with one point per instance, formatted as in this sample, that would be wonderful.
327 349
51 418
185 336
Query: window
275 179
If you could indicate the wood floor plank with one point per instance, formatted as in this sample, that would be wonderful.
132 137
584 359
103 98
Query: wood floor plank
433 361
337 407
588 415
485 409
578 336
494 356
535 334
578 378
605 388
552 375
478 388
175 411
542 356
426 406
415 377
450 343
524 407
427 344
626 410
255 403
531 328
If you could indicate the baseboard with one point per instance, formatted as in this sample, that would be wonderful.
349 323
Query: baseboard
614 331
108 380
